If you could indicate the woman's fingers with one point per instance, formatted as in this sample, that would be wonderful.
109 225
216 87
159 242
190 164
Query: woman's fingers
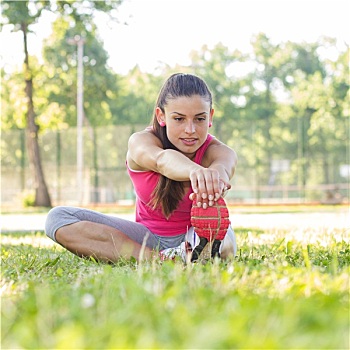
206 186
225 186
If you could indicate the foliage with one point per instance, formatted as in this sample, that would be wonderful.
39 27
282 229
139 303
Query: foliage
28 200
137 93
279 292
55 97
21 15
99 83
282 102
13 106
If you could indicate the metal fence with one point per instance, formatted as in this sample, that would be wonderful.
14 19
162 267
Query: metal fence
105 179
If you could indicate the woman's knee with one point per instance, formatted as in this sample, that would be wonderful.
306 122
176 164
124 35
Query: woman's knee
56 218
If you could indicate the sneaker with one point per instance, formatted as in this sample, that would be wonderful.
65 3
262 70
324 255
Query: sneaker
184 251
211 225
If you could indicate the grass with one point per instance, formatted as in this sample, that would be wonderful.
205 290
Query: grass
283 290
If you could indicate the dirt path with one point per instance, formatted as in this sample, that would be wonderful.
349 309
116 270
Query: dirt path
36 222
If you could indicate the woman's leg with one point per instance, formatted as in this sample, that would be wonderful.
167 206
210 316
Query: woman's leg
103 242
89 233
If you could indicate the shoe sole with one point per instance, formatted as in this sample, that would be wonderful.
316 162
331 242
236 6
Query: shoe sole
211 225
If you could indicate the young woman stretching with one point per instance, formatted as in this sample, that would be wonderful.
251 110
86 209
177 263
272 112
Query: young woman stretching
172 163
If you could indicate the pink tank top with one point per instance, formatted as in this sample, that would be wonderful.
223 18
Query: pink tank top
144 183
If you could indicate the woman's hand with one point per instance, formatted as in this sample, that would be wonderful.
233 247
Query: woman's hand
207 186
227 186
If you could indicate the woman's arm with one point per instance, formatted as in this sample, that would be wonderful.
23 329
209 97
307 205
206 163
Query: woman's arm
220 161
145 153
222 158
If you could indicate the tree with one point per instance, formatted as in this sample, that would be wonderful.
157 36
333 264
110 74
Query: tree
320 101
138 92
100 83
19 14
212 66
22 15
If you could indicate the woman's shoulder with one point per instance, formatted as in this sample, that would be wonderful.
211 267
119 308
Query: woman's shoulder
147 131
146 135
217 148
213 141
143 146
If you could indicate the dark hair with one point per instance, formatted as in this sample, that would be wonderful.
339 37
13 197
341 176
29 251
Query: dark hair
168 193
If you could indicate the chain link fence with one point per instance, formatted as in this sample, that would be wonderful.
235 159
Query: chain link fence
105 179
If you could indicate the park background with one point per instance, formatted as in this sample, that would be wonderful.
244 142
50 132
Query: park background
279 74
282 104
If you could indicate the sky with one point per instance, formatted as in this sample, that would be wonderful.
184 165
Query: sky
166 31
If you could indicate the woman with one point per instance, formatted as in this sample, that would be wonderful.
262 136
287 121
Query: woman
171 163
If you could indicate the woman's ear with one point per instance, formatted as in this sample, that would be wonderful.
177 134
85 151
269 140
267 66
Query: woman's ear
160 116
211 115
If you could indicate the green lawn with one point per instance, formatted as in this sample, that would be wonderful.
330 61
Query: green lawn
284 290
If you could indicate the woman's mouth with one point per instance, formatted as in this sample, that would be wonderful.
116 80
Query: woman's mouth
189 141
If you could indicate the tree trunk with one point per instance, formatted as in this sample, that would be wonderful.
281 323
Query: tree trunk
42 197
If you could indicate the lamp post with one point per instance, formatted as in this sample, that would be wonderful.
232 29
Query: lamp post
79 42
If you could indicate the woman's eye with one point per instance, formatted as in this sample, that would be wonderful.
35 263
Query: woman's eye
178 119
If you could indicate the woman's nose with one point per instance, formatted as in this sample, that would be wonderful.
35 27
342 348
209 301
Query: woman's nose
190 129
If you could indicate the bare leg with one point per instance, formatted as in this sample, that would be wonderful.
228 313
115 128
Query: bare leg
100 241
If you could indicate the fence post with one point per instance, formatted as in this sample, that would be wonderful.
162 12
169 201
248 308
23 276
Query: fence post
58 164
96 196
23 157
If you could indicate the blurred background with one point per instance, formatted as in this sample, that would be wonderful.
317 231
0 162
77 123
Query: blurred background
78 77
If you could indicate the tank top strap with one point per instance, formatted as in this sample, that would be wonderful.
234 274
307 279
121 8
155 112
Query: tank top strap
200 152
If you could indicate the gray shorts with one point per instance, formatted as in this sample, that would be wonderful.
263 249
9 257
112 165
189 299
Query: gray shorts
62 216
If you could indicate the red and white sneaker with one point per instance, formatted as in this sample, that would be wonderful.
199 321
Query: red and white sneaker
211 225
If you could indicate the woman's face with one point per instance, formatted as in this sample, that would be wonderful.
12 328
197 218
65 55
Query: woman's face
187 121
